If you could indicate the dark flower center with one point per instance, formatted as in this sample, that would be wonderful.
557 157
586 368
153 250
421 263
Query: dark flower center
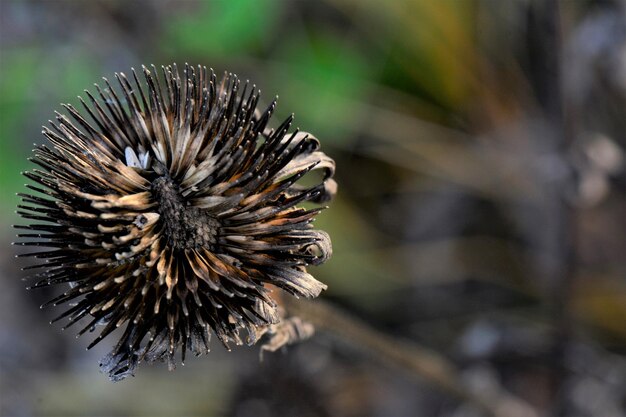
185 227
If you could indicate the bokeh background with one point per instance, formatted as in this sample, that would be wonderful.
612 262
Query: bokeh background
481 210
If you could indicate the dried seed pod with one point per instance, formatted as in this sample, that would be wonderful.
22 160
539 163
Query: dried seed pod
171 212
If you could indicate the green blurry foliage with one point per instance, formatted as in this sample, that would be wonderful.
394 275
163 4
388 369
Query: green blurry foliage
222 28
429 45
18 69
325 77
26 82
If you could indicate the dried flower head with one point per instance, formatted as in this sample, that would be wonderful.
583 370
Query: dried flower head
172 212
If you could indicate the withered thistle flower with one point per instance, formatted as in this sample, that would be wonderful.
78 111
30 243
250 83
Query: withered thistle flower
172 213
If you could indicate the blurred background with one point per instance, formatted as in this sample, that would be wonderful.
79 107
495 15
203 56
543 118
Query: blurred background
481 210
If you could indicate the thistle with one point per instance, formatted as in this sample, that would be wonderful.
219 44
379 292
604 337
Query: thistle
172 213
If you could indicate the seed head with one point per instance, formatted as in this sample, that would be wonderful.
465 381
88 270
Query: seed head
172 212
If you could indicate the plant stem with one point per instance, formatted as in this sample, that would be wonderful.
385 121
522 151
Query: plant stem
419 361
